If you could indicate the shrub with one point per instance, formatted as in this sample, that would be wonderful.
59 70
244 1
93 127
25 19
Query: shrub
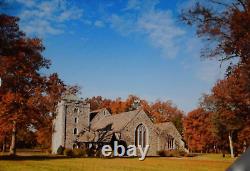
190 155
49 151
78 152
182 153
171 153
98 153
68 152
60 150
161 153
90 152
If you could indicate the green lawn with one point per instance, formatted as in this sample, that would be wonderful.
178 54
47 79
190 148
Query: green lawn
211 162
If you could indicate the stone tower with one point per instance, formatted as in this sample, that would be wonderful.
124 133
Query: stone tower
72 118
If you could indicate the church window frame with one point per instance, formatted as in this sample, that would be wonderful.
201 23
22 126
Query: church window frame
75 131
76 110
141 136
76 120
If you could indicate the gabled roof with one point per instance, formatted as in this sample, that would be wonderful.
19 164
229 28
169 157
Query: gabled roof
164 125
168 127
115 122
93 115
97 110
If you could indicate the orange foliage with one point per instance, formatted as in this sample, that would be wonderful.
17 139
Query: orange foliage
158 111
198 131
26 96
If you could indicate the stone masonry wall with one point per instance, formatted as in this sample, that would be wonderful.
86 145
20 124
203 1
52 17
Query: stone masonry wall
58 134
77 116
128 133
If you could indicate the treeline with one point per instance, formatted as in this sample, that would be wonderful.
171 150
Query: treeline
159 111
222 121
28 98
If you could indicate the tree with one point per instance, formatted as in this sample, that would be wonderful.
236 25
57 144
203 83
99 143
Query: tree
157 111
44 136
229 102
199 131
209 104
4 139
27 98
98 103
26 138
225 25
166 111
232 100
44 131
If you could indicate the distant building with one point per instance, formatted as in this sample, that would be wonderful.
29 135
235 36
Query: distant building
76 126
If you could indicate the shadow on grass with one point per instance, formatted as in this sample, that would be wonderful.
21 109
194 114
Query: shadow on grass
40 157
31 157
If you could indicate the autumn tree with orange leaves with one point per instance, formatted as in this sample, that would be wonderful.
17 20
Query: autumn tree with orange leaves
158 111
232 101
228 105
27 98
226 27
199 133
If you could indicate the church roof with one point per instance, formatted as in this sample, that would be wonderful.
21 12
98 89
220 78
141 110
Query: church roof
168 127
115 122
164 125
93 115
97 110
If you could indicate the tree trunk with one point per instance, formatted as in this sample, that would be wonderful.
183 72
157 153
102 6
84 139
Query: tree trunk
244 146
231 144
13 140
4 144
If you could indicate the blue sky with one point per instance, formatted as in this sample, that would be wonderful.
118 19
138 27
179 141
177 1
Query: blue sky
114 48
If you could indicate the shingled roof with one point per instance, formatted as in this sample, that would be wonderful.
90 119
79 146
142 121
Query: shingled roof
116 122
169 127
97 110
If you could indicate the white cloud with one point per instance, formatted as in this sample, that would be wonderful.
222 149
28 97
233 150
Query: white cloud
41 27
210 71
47 17
27 3
133 4
162 32
141 5
158 26
122 24
99 23
207 71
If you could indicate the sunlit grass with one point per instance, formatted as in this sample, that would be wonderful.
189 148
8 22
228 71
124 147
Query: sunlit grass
211 162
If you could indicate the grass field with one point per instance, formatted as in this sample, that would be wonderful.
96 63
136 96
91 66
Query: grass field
40 162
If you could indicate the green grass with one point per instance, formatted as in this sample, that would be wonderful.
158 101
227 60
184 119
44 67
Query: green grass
211 162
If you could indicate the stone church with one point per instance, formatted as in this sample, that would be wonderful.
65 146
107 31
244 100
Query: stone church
76 126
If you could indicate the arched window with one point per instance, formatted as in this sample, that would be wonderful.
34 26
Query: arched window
170 142
75 131
76 110
141 136
76 120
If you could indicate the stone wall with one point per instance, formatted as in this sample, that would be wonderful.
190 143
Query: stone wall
74 114
100 115
71 114
58 134
128 133
77 117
